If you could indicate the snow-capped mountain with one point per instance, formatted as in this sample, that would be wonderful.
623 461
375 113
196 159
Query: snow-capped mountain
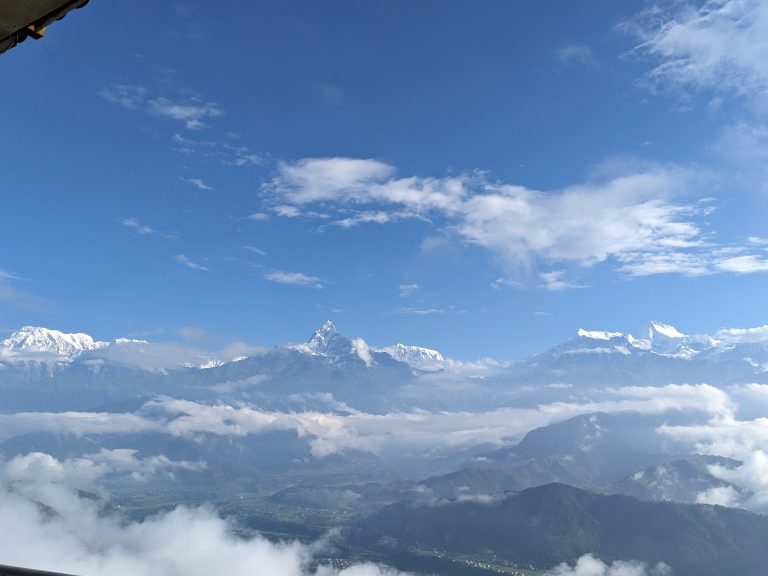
327 341
661 339
416 357
34 342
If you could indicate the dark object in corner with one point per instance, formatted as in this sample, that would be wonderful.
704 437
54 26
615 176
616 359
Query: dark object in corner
28 19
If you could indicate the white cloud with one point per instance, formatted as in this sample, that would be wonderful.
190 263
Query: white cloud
295 278
258 216
627 215
183 260
254 250
634 222
588 565
416 431
78 538
501 282
415 311
321 179
368 217
745 264
125 95
743 440
756 334
192 113
143 229
286 211
555 281
197 183
6 275
75 423
85 472
362 350
407 290
138 226
576 54
719 45
719 496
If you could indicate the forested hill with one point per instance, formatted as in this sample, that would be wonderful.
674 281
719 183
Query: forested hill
554 523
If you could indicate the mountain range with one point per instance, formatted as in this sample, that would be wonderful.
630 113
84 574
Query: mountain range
43 368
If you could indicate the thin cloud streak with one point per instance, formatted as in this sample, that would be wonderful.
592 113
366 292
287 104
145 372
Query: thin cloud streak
192 265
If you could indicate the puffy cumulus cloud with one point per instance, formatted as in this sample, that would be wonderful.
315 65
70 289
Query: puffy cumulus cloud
719 45
743 440
47 526
740 335
362 350
363 181
637 220
627 214
588 565
719 496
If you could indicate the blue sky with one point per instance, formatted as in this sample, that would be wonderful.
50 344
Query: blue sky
481 178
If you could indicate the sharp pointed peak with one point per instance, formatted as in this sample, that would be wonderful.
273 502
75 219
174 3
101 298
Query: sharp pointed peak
666 330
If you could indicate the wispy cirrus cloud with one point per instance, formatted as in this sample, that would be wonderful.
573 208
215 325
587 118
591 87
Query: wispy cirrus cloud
143 229
12 294
555 281
198 183
191 264
576 54
417 311
190 110
294 278
407 290
717 45
193 113
255 250
126 95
